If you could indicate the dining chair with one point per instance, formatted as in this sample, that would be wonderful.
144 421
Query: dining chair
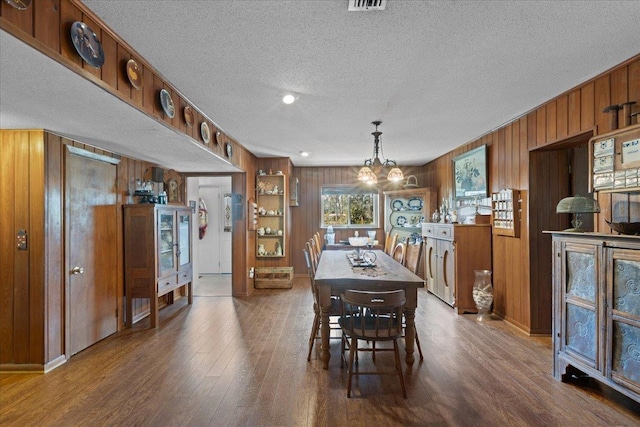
371 316
317 240
412 262
390 243
334 311
315 256
399 252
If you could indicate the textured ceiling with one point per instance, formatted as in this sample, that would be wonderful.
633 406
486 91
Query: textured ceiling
437 74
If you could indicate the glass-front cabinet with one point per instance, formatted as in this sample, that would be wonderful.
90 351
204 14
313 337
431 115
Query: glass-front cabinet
271 229
157 251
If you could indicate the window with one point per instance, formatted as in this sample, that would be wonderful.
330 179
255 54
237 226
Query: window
349 207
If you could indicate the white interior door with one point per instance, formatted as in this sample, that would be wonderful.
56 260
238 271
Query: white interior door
209 245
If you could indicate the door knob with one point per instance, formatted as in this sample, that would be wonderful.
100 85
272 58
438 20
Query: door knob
77 270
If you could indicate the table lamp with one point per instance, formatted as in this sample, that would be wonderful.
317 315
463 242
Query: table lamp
577 205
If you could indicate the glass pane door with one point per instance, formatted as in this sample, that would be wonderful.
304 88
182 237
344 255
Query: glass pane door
184 234
166 260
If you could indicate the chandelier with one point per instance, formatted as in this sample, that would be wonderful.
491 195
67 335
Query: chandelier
374 166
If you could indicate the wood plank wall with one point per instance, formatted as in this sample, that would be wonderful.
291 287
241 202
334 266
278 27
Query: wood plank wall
46 25
22 272
305 218
32 282
522 275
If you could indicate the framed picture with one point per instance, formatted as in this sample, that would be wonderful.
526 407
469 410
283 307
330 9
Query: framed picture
294 188
470 174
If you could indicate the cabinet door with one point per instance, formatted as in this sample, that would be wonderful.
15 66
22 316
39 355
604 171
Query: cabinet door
623 345
184 237
166 243
431 262
447 265
580 300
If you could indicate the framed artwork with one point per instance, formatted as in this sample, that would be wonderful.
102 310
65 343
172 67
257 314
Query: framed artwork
470 174
227 212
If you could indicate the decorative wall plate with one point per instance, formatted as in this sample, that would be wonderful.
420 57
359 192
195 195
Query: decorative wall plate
188 116
229 149
134 73
397 205
401 220
167 103
87 44
218 138
415 203
19 4
205 132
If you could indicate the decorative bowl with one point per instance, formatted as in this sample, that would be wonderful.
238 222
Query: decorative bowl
358 241
630 228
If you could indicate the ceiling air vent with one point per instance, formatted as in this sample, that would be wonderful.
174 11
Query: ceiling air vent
363 5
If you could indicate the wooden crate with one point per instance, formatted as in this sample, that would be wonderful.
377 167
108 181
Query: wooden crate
273 278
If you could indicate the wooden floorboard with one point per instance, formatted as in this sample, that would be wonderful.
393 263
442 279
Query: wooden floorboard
242 362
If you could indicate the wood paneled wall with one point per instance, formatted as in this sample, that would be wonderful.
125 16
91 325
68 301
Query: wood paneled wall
46 25
521 273
32 309
306 218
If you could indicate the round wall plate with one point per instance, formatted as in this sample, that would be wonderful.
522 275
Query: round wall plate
87 44
134 73
19 4
228 149
205 132
188 116
167 103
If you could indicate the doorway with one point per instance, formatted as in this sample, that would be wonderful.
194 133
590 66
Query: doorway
212 253
91 251
555 171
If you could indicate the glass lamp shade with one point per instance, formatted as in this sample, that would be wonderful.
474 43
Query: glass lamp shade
395 175
577 205
367 176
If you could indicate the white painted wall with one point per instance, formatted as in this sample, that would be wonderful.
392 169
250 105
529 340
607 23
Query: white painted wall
212 254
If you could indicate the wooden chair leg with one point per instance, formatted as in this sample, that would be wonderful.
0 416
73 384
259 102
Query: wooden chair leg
399 368
352 350
314 333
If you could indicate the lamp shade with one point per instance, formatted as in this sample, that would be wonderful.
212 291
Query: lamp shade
578 204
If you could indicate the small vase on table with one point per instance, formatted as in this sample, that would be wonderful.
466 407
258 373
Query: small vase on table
483 294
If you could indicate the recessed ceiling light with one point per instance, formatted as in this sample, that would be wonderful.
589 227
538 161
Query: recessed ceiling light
304 154
289 99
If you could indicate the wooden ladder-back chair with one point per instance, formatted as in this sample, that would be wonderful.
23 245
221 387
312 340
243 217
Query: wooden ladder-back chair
412 262
399 252
335 309
390 243
317 240
313 252
371 316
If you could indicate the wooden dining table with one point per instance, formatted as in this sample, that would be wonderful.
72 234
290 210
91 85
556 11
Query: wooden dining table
336 274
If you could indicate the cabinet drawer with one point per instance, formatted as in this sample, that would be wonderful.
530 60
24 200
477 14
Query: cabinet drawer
167 284
184 277
429 230
444 232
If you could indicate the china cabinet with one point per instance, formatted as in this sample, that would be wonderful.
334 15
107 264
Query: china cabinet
452 253
596 308
271 199
406 210
157 254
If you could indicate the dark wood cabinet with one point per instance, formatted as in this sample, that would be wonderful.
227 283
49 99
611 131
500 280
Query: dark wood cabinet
596 308
157 254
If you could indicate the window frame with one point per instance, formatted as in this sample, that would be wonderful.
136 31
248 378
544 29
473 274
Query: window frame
351 190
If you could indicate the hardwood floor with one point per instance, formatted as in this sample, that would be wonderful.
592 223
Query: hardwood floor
226 361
